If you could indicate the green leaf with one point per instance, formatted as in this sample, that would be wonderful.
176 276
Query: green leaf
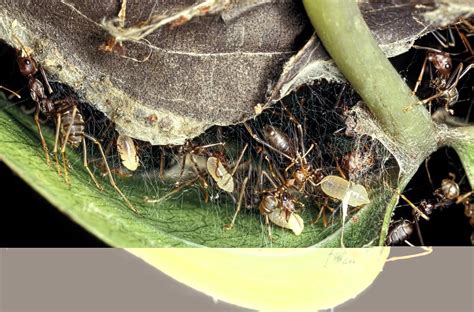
178 222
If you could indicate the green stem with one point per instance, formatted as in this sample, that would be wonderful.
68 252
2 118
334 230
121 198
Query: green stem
462 140
344 33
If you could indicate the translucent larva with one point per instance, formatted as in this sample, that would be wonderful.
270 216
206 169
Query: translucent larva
220 174
338 188
294 222
128 152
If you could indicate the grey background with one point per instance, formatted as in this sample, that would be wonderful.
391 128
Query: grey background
113 280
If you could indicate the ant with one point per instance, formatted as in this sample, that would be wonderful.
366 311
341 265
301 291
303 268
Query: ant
449 192
202 161
29 69
469 212
445 81
401 230
280 143
70 126
277 203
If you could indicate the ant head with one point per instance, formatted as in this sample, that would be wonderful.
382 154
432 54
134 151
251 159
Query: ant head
427 207
27 65
299 176
442 62
287 203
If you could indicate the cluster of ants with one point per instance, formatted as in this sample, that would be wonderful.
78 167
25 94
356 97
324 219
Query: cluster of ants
69 122
443 81
276 174
446 195
275 170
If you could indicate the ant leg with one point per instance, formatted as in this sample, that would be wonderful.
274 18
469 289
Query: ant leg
11 91
56 142
111 178
43 141
65 139
212 145
418 211
275 173
202 180
66 174
463 197
339 169
420 76
428 171
468 68
86 165
162 163
45 79
303 159
300 130
452 175
204 189
269 227
171 193
266 175
239 160
465 42
239 204
183 165
322 213
422 243
442 40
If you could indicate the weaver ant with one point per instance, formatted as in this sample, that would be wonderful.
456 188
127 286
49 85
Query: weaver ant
445 80
70 127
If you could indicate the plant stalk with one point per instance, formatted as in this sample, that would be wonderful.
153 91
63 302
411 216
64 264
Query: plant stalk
345 35
462 140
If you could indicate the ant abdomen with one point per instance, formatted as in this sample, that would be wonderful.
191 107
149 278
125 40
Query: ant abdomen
267 204
400 232
71 121
278 139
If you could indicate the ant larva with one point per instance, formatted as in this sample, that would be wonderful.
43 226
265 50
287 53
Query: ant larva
292 222
219 173
344 190
128 152
70 126
191 163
